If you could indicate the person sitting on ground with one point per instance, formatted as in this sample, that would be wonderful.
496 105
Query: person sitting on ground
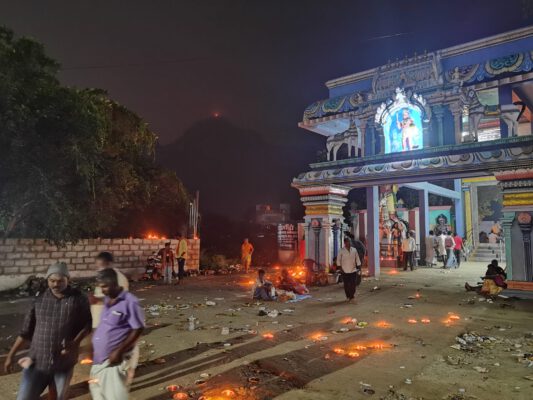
262 289
288 283
493 281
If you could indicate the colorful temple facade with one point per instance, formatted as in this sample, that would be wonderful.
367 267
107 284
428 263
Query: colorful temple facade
461 115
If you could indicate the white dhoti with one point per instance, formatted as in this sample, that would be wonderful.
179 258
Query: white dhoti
111 382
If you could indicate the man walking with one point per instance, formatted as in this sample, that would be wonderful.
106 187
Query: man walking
181 254
121 325
409 251
55 325
349 262
458 249
431 248
246 254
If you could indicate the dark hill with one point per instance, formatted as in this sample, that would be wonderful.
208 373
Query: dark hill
234 169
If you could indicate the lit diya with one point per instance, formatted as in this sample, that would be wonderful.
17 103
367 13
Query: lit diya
339 351
86 361
412 321
353 354
383 324
173 388
180 396
425 320
268 336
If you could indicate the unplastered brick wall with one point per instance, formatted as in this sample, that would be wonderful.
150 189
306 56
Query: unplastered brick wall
20 258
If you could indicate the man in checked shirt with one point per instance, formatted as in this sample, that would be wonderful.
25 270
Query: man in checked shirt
55 326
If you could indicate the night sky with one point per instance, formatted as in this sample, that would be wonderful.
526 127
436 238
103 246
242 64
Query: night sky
259 63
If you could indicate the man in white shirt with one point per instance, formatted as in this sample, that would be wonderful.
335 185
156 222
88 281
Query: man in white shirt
349 262
441 240
409 249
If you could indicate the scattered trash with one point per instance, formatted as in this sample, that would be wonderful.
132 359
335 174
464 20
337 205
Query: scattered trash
375 288
273 313
205 375
159 361
210 303
481 370
192 323
225 331
408 381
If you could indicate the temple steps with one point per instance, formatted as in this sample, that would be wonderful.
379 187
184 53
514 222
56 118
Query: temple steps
486 252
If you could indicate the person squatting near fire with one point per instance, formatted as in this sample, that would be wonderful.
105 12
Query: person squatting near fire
263 289
167 263
350 264
289 284
247 250
493 281
121 324
55 325
181 254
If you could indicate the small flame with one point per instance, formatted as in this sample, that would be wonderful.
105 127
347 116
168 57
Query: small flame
454 317
86 361
180 396
412 321
353 354
417 295
425 320
338 350
383 324
228 393
360 347
393 272
268 336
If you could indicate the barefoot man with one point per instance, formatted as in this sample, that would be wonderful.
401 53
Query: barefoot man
349 261
246 254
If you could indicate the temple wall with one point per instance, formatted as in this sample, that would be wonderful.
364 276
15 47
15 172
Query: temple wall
20 258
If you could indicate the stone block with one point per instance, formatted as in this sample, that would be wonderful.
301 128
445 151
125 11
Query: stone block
124 247
22 249
26 270
127 241
12 256
83 254
137 241
40 269
113 247
105 241
11 270
26 241
11 241
7 263
6 248
43 255
82 267
71 254
90 248
57 254
29 255
37 261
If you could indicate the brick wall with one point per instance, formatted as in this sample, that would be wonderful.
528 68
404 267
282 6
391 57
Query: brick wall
20 258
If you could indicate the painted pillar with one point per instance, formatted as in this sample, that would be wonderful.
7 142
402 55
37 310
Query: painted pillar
505 96
468 210
362 132
475 214
370 142
372 237
423 218
438 112
457 113
323 210
459 209
507 224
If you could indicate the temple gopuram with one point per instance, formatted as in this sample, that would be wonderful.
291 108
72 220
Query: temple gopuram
460 115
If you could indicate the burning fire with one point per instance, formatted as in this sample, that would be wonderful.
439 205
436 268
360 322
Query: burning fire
349 320
393 272
317 337
228 393
425 320
338 350
383 324
173 388
180 396
86 361
360 347
268 336
353 354
454 317
412 321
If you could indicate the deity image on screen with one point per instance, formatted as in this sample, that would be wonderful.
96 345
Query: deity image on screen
402 125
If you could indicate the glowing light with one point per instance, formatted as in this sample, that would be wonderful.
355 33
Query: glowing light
417 295
353 354
86 361
393 272
339 351
349 320
454 317
180 396
360 347
378 346
412 321
317 337
425 320
172 388
383 324
228 393
268 336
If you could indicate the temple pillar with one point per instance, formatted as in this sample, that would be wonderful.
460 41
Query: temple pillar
517 188
457 113
459 209
423 221
362 131
475 214
468 210
370 140
438 112
372 237
323 220
505 96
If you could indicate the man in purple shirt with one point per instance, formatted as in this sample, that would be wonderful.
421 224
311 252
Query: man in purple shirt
121 324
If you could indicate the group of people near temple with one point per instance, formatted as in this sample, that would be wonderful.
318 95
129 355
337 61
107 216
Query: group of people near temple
266 290
444 246
169 259
61 317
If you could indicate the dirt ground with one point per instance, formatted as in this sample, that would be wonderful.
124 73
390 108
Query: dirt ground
315 350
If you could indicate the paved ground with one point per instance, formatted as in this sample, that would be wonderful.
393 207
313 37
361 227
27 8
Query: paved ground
416 361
